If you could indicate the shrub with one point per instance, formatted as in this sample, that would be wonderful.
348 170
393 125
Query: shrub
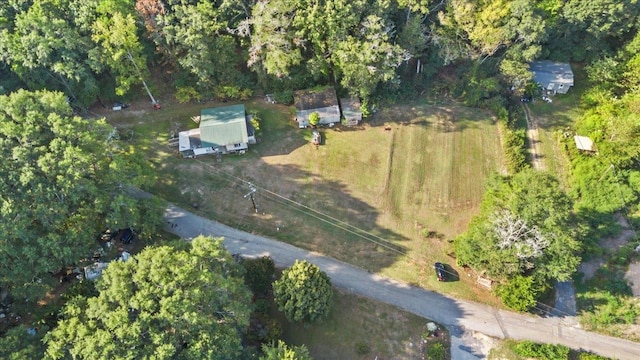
303 292
314 118
542 351
284 97
185 94
591 356
519 293
259 274
436 351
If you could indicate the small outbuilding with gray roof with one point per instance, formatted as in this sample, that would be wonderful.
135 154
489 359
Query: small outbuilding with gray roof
324 102
553 77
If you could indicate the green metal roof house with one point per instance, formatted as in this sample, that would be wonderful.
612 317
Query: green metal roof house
222 130
223 126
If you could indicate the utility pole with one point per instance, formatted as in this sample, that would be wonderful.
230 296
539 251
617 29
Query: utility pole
252 189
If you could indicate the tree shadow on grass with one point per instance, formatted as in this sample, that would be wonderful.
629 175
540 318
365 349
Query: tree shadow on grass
323 216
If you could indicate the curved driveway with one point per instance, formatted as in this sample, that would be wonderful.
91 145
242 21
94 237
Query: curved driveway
460 316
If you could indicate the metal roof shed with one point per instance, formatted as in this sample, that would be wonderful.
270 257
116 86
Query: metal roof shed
223 126
584 143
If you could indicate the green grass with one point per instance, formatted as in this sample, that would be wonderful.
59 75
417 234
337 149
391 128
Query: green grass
354 330
506 350
366 196
556 120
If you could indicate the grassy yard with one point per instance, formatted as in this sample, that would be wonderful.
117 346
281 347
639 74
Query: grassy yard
367 195
358 328
555 119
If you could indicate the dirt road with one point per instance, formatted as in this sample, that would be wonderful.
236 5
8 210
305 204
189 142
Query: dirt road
533 140
463 318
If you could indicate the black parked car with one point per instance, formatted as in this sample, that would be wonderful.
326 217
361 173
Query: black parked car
125 235
440 271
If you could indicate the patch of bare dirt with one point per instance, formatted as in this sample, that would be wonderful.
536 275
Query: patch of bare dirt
589 268
633 277
533 139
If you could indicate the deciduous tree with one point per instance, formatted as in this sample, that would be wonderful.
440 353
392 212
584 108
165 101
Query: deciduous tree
62 183
182 302
46 49
121 51
526 227
303 292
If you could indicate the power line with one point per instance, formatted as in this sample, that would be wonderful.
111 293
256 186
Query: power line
352 229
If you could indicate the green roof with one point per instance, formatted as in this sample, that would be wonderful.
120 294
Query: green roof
223 126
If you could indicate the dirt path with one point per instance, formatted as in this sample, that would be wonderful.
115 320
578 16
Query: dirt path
533 140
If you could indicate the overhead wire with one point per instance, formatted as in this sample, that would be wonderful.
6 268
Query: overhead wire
318 215
352 229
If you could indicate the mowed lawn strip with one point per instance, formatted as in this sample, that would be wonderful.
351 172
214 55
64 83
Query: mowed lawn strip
366 196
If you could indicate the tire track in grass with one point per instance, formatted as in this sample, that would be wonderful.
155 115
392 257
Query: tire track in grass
387 192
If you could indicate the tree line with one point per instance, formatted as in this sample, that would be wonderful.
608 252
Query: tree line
374 49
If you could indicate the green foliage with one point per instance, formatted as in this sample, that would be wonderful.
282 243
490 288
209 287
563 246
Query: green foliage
585 31
515 157
187 302
120 50
542 351
436 351
83 288
519 293
63 186
591 356
262 328
525 227
283 97
192 38
259 274
185 94
282 351
17 344
314 119
303 292
232 92
256 121
47 49
362 348
604 309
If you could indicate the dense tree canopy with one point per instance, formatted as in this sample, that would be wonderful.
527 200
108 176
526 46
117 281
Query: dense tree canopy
182 302
303 292
357 45
525 227
62 183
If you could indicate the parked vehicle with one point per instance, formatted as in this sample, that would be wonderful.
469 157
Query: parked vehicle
441 272
125 235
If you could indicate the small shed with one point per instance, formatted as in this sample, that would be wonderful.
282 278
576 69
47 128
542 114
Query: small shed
554 77
324 102
584 143
351 111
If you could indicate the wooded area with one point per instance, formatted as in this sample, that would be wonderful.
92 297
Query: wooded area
64 183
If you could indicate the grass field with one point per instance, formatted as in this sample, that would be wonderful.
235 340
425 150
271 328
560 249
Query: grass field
358 328
367 195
